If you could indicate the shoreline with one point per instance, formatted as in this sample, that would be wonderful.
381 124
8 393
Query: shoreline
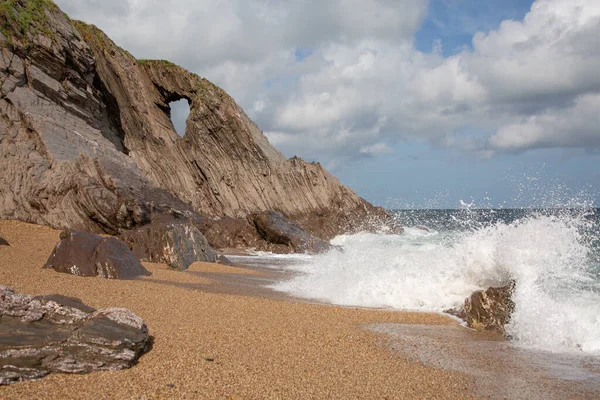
263 345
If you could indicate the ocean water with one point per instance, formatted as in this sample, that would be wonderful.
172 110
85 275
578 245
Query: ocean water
445 255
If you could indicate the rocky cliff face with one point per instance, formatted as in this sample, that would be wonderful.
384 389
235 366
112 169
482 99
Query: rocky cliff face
62 160
86 139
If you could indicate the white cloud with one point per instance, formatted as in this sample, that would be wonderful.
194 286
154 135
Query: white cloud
377 148
578 125
341 79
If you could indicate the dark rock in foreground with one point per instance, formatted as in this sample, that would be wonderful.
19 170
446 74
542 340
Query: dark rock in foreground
3 242
488 309
275 228
42 335
178 244
85 254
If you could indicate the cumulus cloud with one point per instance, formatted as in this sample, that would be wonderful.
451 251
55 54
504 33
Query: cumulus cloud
341 80
575 126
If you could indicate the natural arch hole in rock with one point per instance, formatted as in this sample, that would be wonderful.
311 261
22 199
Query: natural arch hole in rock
180 111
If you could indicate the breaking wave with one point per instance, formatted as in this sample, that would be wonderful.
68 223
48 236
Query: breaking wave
552 256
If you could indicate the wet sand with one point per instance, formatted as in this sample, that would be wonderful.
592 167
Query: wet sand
499 368
263 344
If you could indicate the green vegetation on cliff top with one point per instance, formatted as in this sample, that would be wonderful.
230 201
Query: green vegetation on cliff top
22 18
96 38
18 18
165 63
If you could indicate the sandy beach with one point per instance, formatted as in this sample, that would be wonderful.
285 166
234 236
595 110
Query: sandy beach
210 343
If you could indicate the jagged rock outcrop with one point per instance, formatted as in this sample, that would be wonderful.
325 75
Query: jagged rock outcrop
86 140
46 334
62 160
224 165
488 309
86 254
178 244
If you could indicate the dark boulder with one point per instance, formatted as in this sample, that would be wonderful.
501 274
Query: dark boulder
275 228
86 254
178 244
228 232
3 242
221 259
489 309
46 334
237 233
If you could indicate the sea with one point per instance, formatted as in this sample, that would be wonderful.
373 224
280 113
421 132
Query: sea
443 256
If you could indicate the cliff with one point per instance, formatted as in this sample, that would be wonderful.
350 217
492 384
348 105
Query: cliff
86 139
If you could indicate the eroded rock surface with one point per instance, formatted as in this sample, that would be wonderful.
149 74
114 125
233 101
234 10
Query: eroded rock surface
46 334
86 254
228 232
178 244
275 228
62 158
489 309
237 233
86 140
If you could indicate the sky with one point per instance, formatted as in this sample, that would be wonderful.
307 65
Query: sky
411 103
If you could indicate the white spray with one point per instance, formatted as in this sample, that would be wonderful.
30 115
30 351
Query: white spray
557 294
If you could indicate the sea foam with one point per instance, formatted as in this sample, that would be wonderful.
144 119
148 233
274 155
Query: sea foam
551 258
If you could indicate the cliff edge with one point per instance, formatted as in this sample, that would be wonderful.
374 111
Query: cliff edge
86 140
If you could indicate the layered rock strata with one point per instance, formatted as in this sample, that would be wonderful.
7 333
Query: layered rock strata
46 334
86 140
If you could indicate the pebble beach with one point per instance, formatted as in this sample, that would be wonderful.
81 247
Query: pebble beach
223 346
217 335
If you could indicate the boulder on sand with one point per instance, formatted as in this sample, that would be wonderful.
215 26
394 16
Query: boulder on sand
3 242
488 309
232 233
46 334
86 254
178 244
275 228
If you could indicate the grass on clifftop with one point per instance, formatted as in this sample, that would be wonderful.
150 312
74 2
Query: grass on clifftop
165 63
96 38
18 17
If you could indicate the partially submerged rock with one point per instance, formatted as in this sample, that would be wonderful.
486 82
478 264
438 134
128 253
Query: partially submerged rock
275 228
489 309
327 224
178 244
86 254
46 334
